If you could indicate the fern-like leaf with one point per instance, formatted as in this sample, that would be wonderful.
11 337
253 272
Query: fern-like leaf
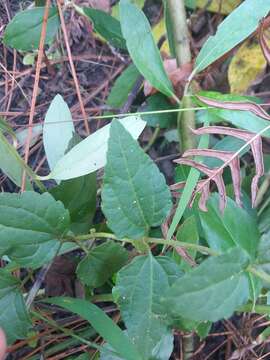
229 159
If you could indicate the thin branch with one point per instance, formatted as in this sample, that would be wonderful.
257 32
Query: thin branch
73 71
35 89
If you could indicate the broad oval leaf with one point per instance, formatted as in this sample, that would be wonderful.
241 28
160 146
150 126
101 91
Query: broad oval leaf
134 195
90 154
13 315
58 130
23 32
223 231
102 324
211 291
28 220
101 263
107 26
138 289
231 31
142 48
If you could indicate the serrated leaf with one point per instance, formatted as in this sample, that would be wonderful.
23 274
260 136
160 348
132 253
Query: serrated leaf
171 268
14 319
142 48
90 154
223 232
246 65
29 220
12 164
123 86
58 130
101 263
231 31
79 198
138 289
211 291
107 26
134 195
158 102
102 324
23 32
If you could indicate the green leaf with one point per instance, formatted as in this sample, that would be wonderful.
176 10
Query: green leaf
101 263
134 195
107 26
171 268
123 86
222 231
23 32
188 232
79 198
158 102
90 154
241 119
102 324
13 315
12 164
191 183
138 289
29 220
142 48
58 130
212 290
6 128
231 31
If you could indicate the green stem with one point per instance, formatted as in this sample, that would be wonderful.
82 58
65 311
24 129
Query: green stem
152 139
185 121
258 309
158 241
259 273
102 298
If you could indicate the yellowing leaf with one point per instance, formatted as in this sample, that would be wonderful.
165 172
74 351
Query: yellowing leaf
227 6
158 31
245 66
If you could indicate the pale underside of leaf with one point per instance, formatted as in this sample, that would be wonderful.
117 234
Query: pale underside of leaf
90 154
